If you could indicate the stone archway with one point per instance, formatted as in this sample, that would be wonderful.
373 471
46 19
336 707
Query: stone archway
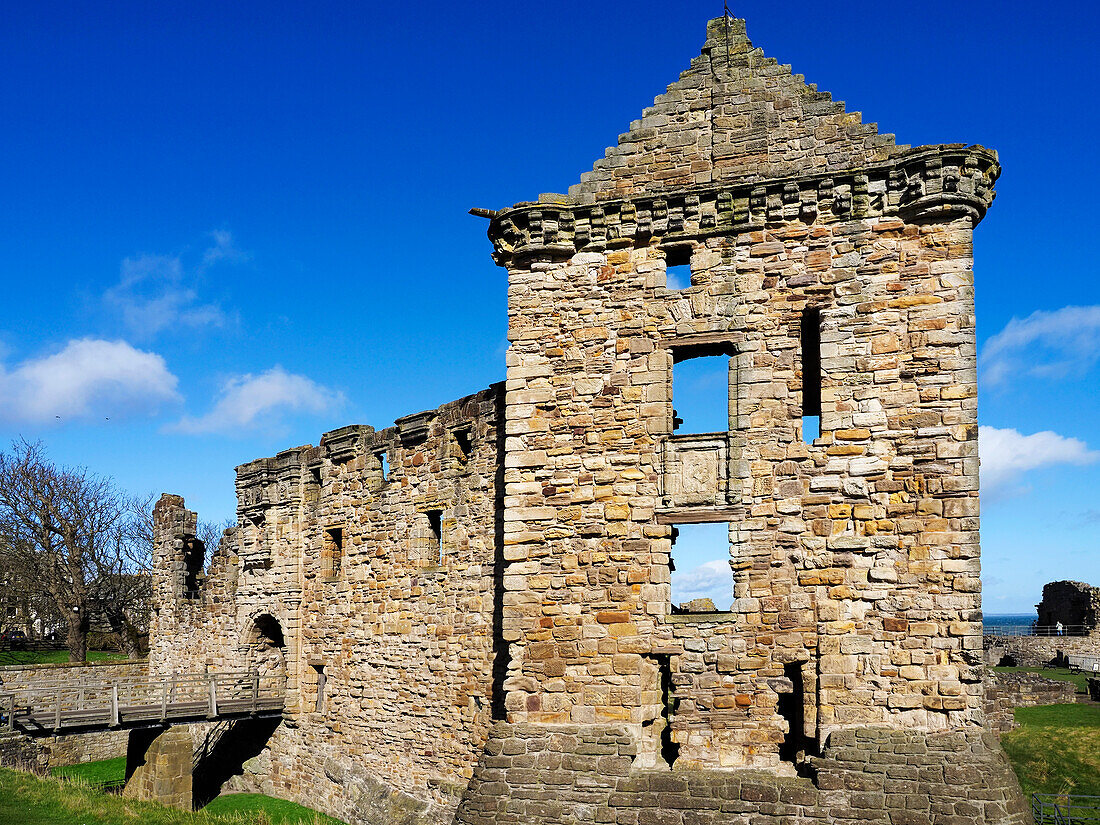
265 651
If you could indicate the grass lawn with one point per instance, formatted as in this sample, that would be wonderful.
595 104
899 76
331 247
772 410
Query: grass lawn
1061 674
29 800
277 810
53 657
1056 749
107 770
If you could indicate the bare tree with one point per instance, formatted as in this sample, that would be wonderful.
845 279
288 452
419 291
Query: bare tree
23 605
61 527
122 582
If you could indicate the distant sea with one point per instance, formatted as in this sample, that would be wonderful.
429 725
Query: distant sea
1009 619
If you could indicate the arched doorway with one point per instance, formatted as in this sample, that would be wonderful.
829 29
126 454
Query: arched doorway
265 654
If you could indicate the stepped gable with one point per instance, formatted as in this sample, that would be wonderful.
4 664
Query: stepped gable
735 115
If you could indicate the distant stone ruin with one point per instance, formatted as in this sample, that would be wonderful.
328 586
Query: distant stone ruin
1074 605
1065 633
472 609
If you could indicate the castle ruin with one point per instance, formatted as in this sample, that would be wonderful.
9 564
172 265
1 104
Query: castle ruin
472 609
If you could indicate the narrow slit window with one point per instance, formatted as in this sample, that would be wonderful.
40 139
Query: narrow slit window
322 682
384 464
702 579
678 268
435 536
332 555
701 394
811 374
194 556
791 706
462 445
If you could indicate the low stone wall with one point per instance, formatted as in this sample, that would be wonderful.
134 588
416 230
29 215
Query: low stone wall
1038 651
44 752
83 747
1004 692
22 752
18 678
533 774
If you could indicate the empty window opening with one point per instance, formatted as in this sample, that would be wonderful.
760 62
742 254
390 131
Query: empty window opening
811 374
462 445
670 751
194 556
702 579
315 475
792 707
435 536
332 553
678 267
701 394
656 748
384 464
322 681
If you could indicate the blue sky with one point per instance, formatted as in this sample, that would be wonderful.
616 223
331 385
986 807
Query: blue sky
228 228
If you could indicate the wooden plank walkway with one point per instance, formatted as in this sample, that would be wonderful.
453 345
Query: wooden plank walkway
134 703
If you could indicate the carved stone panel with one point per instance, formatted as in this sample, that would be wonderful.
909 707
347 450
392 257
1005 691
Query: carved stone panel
696 470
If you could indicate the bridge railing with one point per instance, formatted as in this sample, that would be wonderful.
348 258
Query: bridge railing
1036 630
111 703
1065 809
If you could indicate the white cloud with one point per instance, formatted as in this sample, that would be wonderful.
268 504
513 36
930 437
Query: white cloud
250 401
88 378
675 281
1064 342
223 250
1007 454
153 294
712 580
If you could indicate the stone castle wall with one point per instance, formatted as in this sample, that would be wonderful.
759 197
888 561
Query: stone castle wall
858 553
855 558
1004 692
514 564
1040 651
391 619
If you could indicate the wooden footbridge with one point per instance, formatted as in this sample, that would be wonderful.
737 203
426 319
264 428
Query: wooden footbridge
129 703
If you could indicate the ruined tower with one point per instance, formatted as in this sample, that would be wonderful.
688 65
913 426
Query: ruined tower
832 269
477 608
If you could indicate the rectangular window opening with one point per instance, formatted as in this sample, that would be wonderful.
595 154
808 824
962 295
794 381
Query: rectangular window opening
678 267
702 579
332 555
811 374
315 475
435 538
322 681
701 394
384 464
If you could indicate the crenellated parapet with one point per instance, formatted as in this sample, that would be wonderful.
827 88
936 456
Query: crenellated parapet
932 183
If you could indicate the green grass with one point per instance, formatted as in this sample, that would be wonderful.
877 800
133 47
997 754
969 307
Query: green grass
1060 674
53 657
107 770
1056 749
26 799
277 810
